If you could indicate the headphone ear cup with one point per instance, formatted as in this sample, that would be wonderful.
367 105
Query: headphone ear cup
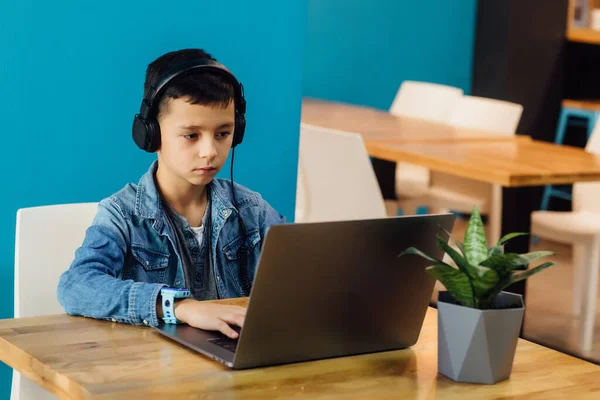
240 128
140 132
153 136
146 134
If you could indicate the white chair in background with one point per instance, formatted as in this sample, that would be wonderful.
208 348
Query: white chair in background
460 194
336 180
423 100
431 102
46 240
486 114
580 228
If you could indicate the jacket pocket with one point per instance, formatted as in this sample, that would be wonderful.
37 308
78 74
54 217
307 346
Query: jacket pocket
232 249
151 265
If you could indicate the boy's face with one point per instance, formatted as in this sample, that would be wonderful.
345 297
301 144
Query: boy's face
195 140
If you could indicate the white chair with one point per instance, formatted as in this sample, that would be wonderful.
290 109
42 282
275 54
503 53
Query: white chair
336 180
460 194
580 228
46 240
428 101
486 114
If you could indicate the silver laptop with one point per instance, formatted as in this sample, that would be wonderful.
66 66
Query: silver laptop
330 289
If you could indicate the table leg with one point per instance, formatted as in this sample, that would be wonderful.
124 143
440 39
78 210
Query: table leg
517 206
495 215
385 171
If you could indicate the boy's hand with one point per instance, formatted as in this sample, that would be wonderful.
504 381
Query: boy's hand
210 316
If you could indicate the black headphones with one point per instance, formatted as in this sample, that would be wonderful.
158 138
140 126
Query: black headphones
146 131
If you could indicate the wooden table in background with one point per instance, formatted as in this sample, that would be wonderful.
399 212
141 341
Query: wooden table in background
588 105
79 358
379 126
510 164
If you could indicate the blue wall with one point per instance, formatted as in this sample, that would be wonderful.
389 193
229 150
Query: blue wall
359 51
72 80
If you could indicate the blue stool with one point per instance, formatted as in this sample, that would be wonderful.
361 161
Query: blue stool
570 108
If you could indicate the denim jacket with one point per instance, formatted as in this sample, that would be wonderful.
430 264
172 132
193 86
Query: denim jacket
130 252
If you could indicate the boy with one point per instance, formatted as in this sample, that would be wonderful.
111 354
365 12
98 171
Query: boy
180 231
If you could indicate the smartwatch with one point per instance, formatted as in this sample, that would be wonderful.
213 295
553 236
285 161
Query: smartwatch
168 296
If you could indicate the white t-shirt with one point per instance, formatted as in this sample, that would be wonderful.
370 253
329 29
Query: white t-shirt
199 233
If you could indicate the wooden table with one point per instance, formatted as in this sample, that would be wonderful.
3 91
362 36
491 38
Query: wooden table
510 164
379 126
588 105
79 358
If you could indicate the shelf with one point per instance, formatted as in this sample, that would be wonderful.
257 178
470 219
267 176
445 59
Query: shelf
583 35
592 105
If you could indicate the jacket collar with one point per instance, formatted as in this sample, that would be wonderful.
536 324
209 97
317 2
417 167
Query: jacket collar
148 203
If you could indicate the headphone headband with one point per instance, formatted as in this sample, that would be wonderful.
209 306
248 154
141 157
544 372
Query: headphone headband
146 130
188 67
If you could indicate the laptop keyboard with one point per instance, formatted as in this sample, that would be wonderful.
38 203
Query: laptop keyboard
226 343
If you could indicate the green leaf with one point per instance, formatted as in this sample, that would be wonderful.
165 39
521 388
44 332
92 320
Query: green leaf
495 250
455 281
475 242
508 280
459 244
519 276
415 251
503 263
485 281
503 282
506 238
482 278
459 260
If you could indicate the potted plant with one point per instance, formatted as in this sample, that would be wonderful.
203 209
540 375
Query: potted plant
478 323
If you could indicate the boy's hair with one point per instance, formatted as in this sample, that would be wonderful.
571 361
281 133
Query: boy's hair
204 88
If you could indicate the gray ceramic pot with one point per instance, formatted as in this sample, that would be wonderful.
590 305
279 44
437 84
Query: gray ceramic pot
478 346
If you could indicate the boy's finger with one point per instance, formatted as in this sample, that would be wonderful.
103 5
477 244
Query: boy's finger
235 318
226 330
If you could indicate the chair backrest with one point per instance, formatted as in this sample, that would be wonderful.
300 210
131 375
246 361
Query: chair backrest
46 240
586 194
336 179
424 100
495 116
486 114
